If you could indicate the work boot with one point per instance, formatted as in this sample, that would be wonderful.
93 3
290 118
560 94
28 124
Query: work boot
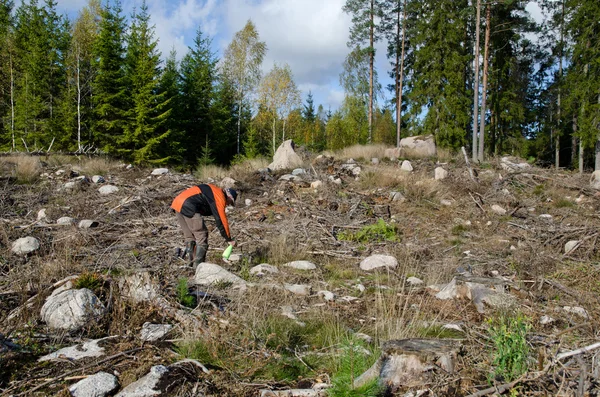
200 254
190 250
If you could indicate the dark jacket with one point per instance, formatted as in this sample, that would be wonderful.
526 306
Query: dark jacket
206 200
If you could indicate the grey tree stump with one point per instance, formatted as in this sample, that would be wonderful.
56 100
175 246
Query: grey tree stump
408 362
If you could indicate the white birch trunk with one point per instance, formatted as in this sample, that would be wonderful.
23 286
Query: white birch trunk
476 84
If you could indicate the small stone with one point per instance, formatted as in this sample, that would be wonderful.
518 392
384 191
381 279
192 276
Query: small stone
513 248
378 261
227 183
98 385
454 327
356 171
360 287
337 181
248 202
440 174
580 311
160 171
316 184
375 161
365 337
108 189
298 289
154 332
25 245
299 171
397 196
546 217
128 166
406 166
572 246
489 223
326 295
414 281
263 268
98 179
41 215
498 210
301 265
545 320
65 220
88 224
445 202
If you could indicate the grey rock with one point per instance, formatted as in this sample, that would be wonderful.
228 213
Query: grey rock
498 210
227 183
378 261
71 309
440 174
209 273
406 166
138 287
101 384
87 349
595 180
580 311
98 179
146 386
263 268
417 147
25 245
153 332
375 161
299 171
335 180
301 265
65 220
397 196
41 215
290 178
446 203
248 202
571 246
298 289
327 295
414 281
108 189
545 320
160 171
546 217
513 164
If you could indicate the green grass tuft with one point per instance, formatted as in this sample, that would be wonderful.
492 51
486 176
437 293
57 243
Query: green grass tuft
508 333
378 232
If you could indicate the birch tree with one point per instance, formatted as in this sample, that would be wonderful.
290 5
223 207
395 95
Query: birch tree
279 95
241 66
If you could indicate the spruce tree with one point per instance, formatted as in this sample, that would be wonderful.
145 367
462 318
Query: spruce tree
148 108
110 90
7 73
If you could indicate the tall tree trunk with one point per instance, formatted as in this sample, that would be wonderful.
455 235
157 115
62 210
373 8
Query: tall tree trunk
488 24
274 132
239 121
597 148
78 102
476 82
400 79
283 131
371 65
12 104
574 142
557 134
581 151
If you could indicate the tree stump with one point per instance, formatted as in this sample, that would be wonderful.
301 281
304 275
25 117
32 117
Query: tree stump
408 362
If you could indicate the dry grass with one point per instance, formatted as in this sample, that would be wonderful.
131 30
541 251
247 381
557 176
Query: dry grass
285 248
58 160
211 171
242 170
364 152
97 166
26 169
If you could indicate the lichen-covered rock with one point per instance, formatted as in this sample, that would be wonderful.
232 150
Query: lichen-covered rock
378 261
101 384
72 309
25 245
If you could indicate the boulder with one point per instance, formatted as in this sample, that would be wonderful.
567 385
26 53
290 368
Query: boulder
595 180
378 261
406 166
160 171
25 245
440 174
108 189
286 157
99 385
209 273
301 265
417 147
72 309
513 164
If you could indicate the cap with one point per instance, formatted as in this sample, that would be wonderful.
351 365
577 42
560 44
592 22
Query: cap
232 194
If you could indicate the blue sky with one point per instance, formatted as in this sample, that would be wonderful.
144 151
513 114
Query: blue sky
309 35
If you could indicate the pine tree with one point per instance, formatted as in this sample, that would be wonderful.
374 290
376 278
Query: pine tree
364 31
7 74
148 108
109 87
